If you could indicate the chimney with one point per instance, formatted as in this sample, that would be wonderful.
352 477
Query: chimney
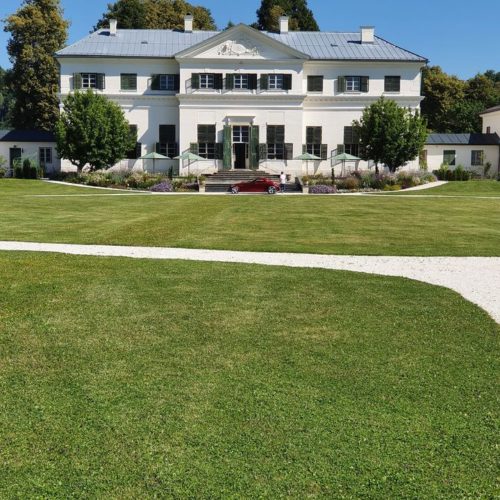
188 23
283 24
113 23
367 34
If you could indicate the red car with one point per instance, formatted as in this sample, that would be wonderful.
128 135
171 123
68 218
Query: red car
259 185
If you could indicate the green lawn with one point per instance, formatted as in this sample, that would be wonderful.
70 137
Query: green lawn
330 225
469 188
142 379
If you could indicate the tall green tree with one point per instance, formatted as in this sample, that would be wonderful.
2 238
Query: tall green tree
37 30
390 134
6 99
155 14
301 17
92 130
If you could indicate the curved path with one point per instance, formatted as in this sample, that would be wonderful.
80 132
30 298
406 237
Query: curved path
475 278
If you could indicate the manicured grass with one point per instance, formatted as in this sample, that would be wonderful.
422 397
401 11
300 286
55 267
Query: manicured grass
330 225
142 379
468 188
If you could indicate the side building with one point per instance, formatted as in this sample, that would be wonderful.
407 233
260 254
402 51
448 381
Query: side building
242 98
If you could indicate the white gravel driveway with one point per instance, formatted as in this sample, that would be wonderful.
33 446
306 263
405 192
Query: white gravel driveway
475 278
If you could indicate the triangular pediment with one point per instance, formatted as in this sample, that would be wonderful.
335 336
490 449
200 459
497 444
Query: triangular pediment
241 42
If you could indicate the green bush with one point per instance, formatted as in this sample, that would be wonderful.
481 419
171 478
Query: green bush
3 172
392 187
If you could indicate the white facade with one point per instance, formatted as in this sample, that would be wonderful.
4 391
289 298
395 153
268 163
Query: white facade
491 121
464 156
244 51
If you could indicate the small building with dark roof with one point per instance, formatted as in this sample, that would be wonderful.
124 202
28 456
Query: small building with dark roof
472 151
37 145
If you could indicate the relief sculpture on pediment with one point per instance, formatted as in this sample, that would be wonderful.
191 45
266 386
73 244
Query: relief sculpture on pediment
238 48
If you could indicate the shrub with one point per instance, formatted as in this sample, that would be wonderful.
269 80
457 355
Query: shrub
392 187
351 183
486 169
323 189
162 187
407 180
18 171
459 174
426 177
29 169
3 172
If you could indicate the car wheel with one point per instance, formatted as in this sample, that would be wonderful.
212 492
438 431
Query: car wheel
271 190
235 190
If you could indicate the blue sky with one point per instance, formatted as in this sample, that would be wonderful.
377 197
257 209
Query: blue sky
462 37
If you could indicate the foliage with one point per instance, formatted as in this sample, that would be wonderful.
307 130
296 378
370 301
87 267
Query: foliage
322 189
390 134
28 169
486 169
37 30
3 161
301 18
453 105
92 130
3 172
444 173
6 99
155 14
162 187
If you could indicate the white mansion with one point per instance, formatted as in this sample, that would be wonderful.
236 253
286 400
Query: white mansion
241 98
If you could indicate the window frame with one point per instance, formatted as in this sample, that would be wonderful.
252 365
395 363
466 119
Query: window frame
389 80
89 80
207 81
448 153
239 138
353 80
275 81
42 152
243 84
164 80
474 155
311 79
275 142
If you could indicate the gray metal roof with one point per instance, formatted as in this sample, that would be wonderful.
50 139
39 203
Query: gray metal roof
464 139
26 136
490 110
167 43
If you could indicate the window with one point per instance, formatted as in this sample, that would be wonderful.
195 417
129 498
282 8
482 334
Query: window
128 81
392 84
275 142
351 141
206 141
167 145
275 82
488 130
240 81
89 80
313 140
134 153
315 83
165 82
477 158
206 81
240 133
353 83
449 157
45 156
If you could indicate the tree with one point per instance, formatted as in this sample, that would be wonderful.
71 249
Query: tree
390 134
37 31
6 100
92 130
301 17
155 14
441 93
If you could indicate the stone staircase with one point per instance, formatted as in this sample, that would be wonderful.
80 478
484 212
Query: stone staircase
222 181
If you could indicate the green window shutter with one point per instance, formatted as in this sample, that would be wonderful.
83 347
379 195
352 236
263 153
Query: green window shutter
254 147
324 151
315 83
155 82
138 150
340 149
219 151
365 83
193 148
263 151
318 135
287 82
252 82
77 81
195 81
341 84
229 81
218 81
304 148
157 147
264 82
177 83
288 151
128 81
348 135
101 81
226 157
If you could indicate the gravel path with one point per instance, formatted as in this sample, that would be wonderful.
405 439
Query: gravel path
475 278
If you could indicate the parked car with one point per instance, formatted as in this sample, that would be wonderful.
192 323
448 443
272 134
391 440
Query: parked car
259 185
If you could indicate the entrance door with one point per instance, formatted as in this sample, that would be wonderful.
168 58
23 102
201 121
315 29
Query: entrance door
240 155
14 154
